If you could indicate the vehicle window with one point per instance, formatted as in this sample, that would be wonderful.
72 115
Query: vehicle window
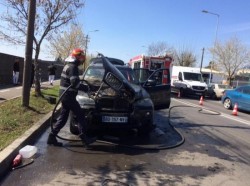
192 76
240 89
141 75
129 74
94 74
246 90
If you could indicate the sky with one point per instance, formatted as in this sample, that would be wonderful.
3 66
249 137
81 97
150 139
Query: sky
127 27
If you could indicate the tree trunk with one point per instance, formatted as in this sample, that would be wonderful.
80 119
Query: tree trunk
38 92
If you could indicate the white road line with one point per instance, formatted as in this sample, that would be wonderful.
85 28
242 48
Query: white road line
6 90
222 114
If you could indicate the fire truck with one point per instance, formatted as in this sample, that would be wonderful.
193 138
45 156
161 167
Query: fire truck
154 74
152 63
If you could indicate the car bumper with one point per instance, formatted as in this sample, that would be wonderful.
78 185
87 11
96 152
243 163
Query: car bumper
134 120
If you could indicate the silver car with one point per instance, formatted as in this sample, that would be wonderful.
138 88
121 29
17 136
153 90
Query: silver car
215 90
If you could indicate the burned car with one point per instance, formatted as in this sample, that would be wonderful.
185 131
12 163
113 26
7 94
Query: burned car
115 100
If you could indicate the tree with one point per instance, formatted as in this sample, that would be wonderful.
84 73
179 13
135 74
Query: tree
184 57
230 56
159 49
62 44
51 15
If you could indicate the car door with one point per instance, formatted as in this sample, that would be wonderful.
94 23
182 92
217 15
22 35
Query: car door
157 84
244 98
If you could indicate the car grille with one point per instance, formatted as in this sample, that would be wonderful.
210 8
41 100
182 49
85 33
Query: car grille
199 88
114 104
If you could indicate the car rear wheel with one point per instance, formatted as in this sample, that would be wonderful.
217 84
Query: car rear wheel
227 103
73 124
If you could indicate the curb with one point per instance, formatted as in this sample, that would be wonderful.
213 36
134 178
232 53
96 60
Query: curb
29 137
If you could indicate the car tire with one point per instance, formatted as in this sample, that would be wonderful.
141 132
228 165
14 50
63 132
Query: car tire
145 130
73 124
227 103
214 96
182 94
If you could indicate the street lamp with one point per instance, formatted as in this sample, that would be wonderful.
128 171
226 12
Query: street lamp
215 41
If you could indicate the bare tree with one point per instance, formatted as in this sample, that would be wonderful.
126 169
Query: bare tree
230 56
159 49
51 15
61 45
184 57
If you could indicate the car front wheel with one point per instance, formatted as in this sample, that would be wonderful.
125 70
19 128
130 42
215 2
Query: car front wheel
227 103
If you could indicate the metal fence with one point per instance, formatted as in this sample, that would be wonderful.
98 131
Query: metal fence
237 83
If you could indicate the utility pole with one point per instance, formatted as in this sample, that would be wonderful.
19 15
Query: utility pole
202 58
28 54
86 44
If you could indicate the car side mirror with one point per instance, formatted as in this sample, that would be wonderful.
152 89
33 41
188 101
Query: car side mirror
81 78
150 82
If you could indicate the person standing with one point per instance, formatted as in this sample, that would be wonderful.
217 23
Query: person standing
16 69
70 83
52 73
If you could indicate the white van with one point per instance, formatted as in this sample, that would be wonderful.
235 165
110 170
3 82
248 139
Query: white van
187 81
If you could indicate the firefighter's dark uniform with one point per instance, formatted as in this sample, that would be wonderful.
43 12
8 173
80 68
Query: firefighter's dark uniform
69 76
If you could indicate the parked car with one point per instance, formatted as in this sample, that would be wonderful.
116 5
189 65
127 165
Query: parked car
239 96
215 90
116 100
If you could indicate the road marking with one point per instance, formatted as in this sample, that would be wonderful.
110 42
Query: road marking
222 114
6 90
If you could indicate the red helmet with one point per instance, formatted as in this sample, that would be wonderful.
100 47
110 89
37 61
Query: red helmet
78 54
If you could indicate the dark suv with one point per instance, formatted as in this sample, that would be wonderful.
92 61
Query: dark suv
116 100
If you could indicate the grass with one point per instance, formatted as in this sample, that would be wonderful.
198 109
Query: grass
15 119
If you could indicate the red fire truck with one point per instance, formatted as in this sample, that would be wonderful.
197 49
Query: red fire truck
154 74
152 63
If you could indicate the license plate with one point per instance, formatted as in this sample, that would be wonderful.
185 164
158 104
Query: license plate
113 119
197 93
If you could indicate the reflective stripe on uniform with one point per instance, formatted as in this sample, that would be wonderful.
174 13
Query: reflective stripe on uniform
74 77
70 89
64 76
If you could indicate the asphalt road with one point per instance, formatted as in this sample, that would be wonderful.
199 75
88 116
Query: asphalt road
216 152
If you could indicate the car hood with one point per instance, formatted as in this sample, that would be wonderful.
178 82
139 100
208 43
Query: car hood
197 83
127 88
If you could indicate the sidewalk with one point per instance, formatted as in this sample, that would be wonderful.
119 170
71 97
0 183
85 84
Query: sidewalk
28 138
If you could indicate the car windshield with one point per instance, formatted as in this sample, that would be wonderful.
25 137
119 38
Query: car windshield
193 76
95 74
128 73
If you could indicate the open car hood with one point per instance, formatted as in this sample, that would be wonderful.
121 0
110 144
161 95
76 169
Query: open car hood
115 79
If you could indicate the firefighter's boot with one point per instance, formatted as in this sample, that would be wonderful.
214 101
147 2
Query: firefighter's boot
53 141
86 140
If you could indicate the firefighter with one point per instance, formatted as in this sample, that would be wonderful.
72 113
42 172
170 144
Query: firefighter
70 76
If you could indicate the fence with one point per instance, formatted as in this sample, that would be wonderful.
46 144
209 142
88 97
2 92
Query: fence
237 83
6 67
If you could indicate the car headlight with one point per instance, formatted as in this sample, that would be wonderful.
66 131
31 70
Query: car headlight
189 86
83 100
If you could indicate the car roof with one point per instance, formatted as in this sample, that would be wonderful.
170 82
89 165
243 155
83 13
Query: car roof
114 61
